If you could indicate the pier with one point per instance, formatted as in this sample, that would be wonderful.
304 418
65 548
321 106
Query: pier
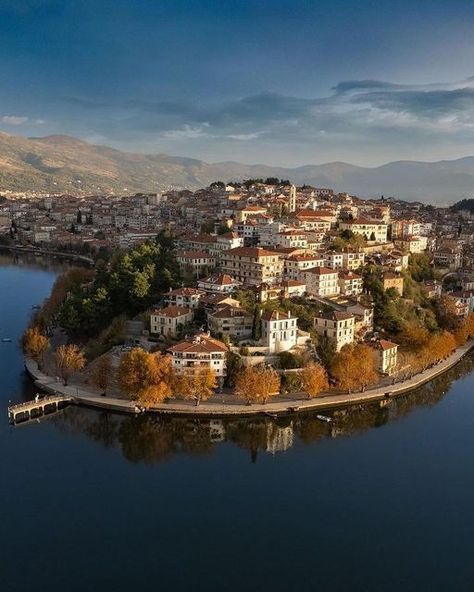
37 408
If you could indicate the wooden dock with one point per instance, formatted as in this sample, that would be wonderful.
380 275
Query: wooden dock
37 408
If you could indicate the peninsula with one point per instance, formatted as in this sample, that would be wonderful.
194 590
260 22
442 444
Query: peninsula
246 297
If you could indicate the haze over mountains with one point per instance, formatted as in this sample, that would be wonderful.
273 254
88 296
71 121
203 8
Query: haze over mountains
67 164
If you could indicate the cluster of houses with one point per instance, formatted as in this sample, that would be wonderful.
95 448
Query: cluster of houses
272 239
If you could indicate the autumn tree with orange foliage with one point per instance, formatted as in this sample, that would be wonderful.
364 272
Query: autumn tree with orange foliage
101 373
465 331
198 384
35 344
446 313
256 384
314 379
413 336
354 367
146 377
69 359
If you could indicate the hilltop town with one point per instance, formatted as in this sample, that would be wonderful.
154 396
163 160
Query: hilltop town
259 275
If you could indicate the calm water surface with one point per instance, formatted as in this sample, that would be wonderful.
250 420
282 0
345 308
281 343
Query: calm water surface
94 501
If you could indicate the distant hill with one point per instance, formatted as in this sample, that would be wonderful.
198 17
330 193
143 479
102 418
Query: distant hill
466 205
66 164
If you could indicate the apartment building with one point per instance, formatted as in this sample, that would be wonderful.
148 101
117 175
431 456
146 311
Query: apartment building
337 326
232 321
372 230
322 282
185 297
350 284
392 280
200 351
252 265
295 265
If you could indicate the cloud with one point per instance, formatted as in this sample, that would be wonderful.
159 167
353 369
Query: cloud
361 85
13 119
187 132
362 116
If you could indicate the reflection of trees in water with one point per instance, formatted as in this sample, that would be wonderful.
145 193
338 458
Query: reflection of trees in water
48 263
150 439
143 439
358 419
250 434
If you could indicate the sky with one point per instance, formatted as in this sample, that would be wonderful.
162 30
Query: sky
282 82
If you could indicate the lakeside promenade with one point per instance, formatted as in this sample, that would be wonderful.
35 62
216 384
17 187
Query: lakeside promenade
228 405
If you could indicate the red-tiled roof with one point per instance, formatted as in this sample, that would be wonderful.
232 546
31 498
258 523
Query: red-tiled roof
171 311
185 292
276 315
321 270
199 344
223 279
194 255
254 252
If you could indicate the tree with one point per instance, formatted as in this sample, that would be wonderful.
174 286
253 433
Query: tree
441 345
413 336
197 385
35 344
289 361
465 331
354 367
146 377
69 359
234 365
256 323
446 314
314 379
256 384
101 373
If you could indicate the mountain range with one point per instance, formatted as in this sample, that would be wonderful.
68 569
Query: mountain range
69 165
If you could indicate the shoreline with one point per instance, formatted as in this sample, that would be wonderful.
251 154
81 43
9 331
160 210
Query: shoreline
47 253
215 408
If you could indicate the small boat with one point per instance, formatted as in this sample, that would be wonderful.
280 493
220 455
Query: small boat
324 418
6 340
35 306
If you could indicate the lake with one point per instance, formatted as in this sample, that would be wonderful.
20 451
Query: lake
380 500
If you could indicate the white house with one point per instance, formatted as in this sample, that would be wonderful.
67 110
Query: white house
372 230
279 331
336 326
386 352
322 282
295 265
169 321
221 283
200 351
186 297
350 284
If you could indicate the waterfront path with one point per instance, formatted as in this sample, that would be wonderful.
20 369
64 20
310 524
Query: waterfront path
229 405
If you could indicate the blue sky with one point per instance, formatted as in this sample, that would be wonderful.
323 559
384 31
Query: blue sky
281 82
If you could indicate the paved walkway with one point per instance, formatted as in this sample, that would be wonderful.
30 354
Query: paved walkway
222 405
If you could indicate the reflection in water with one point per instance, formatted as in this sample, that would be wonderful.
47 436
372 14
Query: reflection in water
150 439
28 260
